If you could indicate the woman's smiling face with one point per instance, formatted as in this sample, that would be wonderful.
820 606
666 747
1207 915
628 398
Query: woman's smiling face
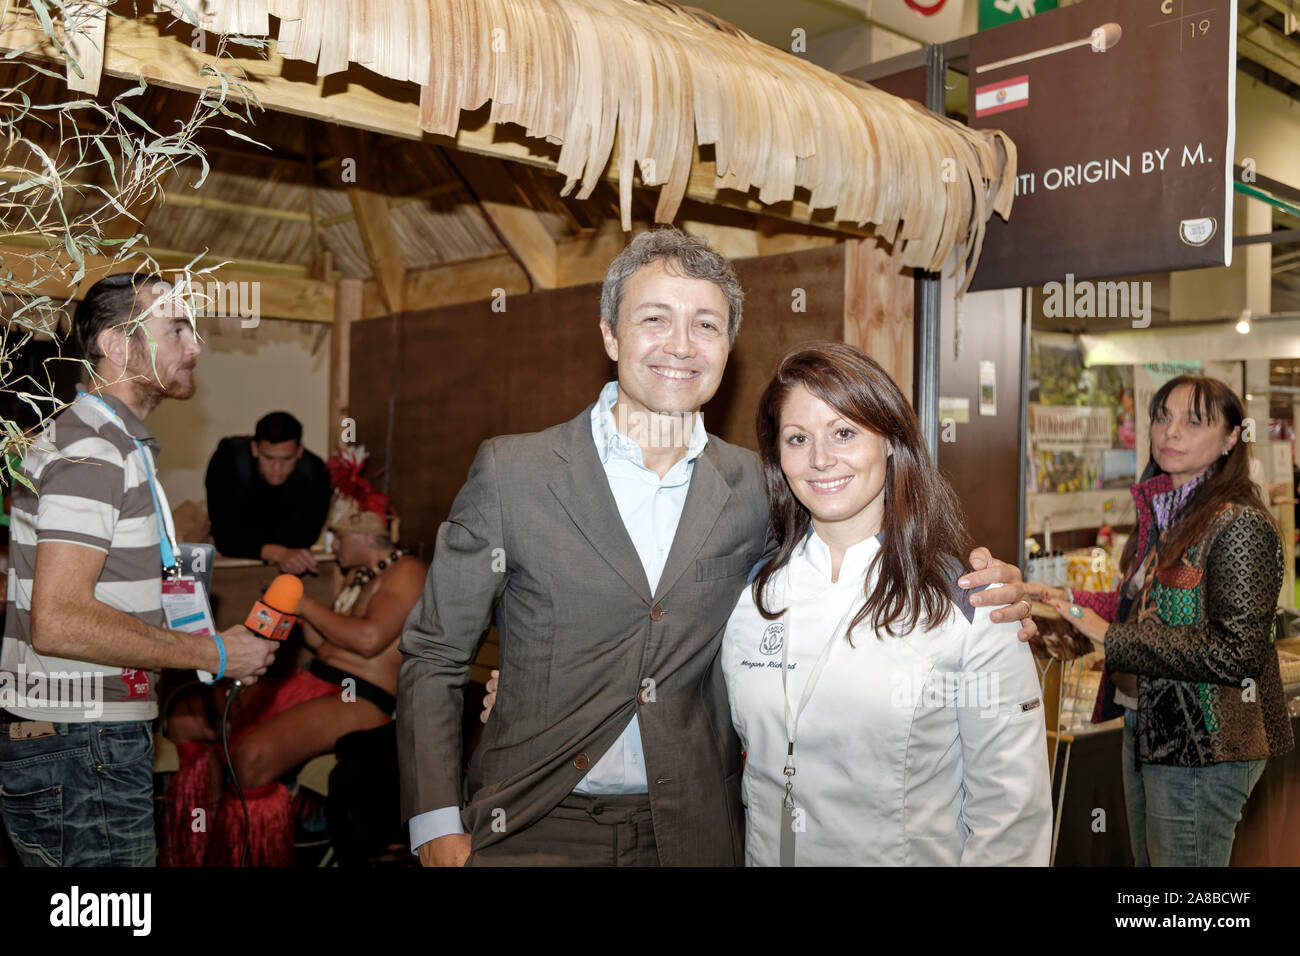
835 467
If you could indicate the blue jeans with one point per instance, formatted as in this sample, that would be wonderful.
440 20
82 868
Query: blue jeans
80 796
1184 816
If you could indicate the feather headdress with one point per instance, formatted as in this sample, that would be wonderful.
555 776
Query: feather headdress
357 506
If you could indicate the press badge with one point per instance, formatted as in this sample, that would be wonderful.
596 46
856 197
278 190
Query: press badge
185 605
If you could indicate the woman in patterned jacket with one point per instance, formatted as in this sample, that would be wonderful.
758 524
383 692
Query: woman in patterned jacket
1188 636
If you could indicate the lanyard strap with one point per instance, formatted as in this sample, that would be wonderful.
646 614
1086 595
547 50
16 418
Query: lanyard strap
792 717
166 549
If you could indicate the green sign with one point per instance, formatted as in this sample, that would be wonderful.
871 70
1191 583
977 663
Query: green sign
995 13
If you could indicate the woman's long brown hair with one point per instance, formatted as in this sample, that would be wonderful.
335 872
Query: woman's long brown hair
1227 480
923 528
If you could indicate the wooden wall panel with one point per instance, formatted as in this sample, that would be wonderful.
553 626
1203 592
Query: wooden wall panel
878 306
461 374
772 328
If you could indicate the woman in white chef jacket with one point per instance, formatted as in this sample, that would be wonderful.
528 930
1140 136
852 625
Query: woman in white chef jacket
918 739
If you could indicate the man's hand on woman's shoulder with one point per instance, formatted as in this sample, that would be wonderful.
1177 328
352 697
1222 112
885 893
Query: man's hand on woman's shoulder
1011 599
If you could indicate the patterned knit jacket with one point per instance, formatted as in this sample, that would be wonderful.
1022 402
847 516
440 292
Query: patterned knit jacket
1200 638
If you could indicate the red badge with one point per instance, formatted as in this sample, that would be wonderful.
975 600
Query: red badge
137 683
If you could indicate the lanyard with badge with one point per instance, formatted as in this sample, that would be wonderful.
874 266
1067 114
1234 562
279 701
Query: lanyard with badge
792 820
184 599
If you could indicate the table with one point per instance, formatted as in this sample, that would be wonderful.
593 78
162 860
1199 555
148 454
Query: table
1268 834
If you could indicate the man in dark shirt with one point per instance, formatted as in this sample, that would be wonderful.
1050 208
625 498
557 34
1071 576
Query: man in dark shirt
268 496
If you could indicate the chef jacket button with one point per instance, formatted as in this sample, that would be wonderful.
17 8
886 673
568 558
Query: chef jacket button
656 613
582 762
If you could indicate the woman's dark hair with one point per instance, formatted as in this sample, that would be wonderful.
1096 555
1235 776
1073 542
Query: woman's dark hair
1227 479
923 529
109 302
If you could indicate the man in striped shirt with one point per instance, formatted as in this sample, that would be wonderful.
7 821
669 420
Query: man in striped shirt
85 633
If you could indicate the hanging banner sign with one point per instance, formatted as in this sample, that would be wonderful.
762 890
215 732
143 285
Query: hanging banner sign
996 13
1122 116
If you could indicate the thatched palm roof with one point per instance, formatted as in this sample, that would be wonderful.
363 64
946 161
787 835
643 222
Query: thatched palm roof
646 85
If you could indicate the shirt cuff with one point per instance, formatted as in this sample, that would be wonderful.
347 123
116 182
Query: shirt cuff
434 824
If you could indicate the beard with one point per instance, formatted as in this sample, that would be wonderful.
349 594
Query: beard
180 386
152 391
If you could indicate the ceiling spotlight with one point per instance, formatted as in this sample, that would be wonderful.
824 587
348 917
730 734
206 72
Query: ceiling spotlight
1243 324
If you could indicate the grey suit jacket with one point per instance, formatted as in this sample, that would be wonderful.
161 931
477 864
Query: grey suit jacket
581 637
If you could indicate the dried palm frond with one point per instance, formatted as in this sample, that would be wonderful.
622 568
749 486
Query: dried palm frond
627 85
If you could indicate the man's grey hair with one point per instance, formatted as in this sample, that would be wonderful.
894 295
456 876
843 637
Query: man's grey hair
692 257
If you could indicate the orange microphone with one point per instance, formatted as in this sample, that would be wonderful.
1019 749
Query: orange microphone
273 617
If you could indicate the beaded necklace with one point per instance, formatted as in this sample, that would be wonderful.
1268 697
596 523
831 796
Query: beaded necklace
363 576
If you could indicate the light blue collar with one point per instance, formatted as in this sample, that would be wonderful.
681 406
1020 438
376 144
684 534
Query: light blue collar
610 441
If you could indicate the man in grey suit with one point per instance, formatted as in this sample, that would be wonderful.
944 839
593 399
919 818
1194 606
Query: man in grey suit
611 551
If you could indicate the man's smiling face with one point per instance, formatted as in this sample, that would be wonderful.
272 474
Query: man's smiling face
672 343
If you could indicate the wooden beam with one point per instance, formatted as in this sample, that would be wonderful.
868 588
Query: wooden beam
1284 6
242 208
349 300
85 39
169 258
454 283
370 209
779 238
732 241
277 297
371 212
1262 44
504 203
878 308
359 99
585 258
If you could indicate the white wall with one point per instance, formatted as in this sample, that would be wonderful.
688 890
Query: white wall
1268 130
243 374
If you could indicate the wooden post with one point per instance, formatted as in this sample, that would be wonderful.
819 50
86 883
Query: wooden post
347 309
878 308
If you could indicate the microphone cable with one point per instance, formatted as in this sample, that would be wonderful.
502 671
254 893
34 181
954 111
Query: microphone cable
230 768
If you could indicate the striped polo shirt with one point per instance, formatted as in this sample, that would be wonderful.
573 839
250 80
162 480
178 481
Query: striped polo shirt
92 490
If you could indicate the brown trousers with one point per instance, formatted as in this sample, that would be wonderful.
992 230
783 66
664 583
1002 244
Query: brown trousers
581 831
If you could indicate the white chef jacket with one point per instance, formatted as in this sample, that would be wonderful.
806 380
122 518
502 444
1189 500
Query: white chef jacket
923 750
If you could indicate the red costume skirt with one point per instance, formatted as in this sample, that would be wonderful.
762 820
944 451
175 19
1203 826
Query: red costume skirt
197 833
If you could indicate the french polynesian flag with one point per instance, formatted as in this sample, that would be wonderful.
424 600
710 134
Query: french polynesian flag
1001 96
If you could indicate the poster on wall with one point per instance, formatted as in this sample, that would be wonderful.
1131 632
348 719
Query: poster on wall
1122 112
988 388
1081 433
